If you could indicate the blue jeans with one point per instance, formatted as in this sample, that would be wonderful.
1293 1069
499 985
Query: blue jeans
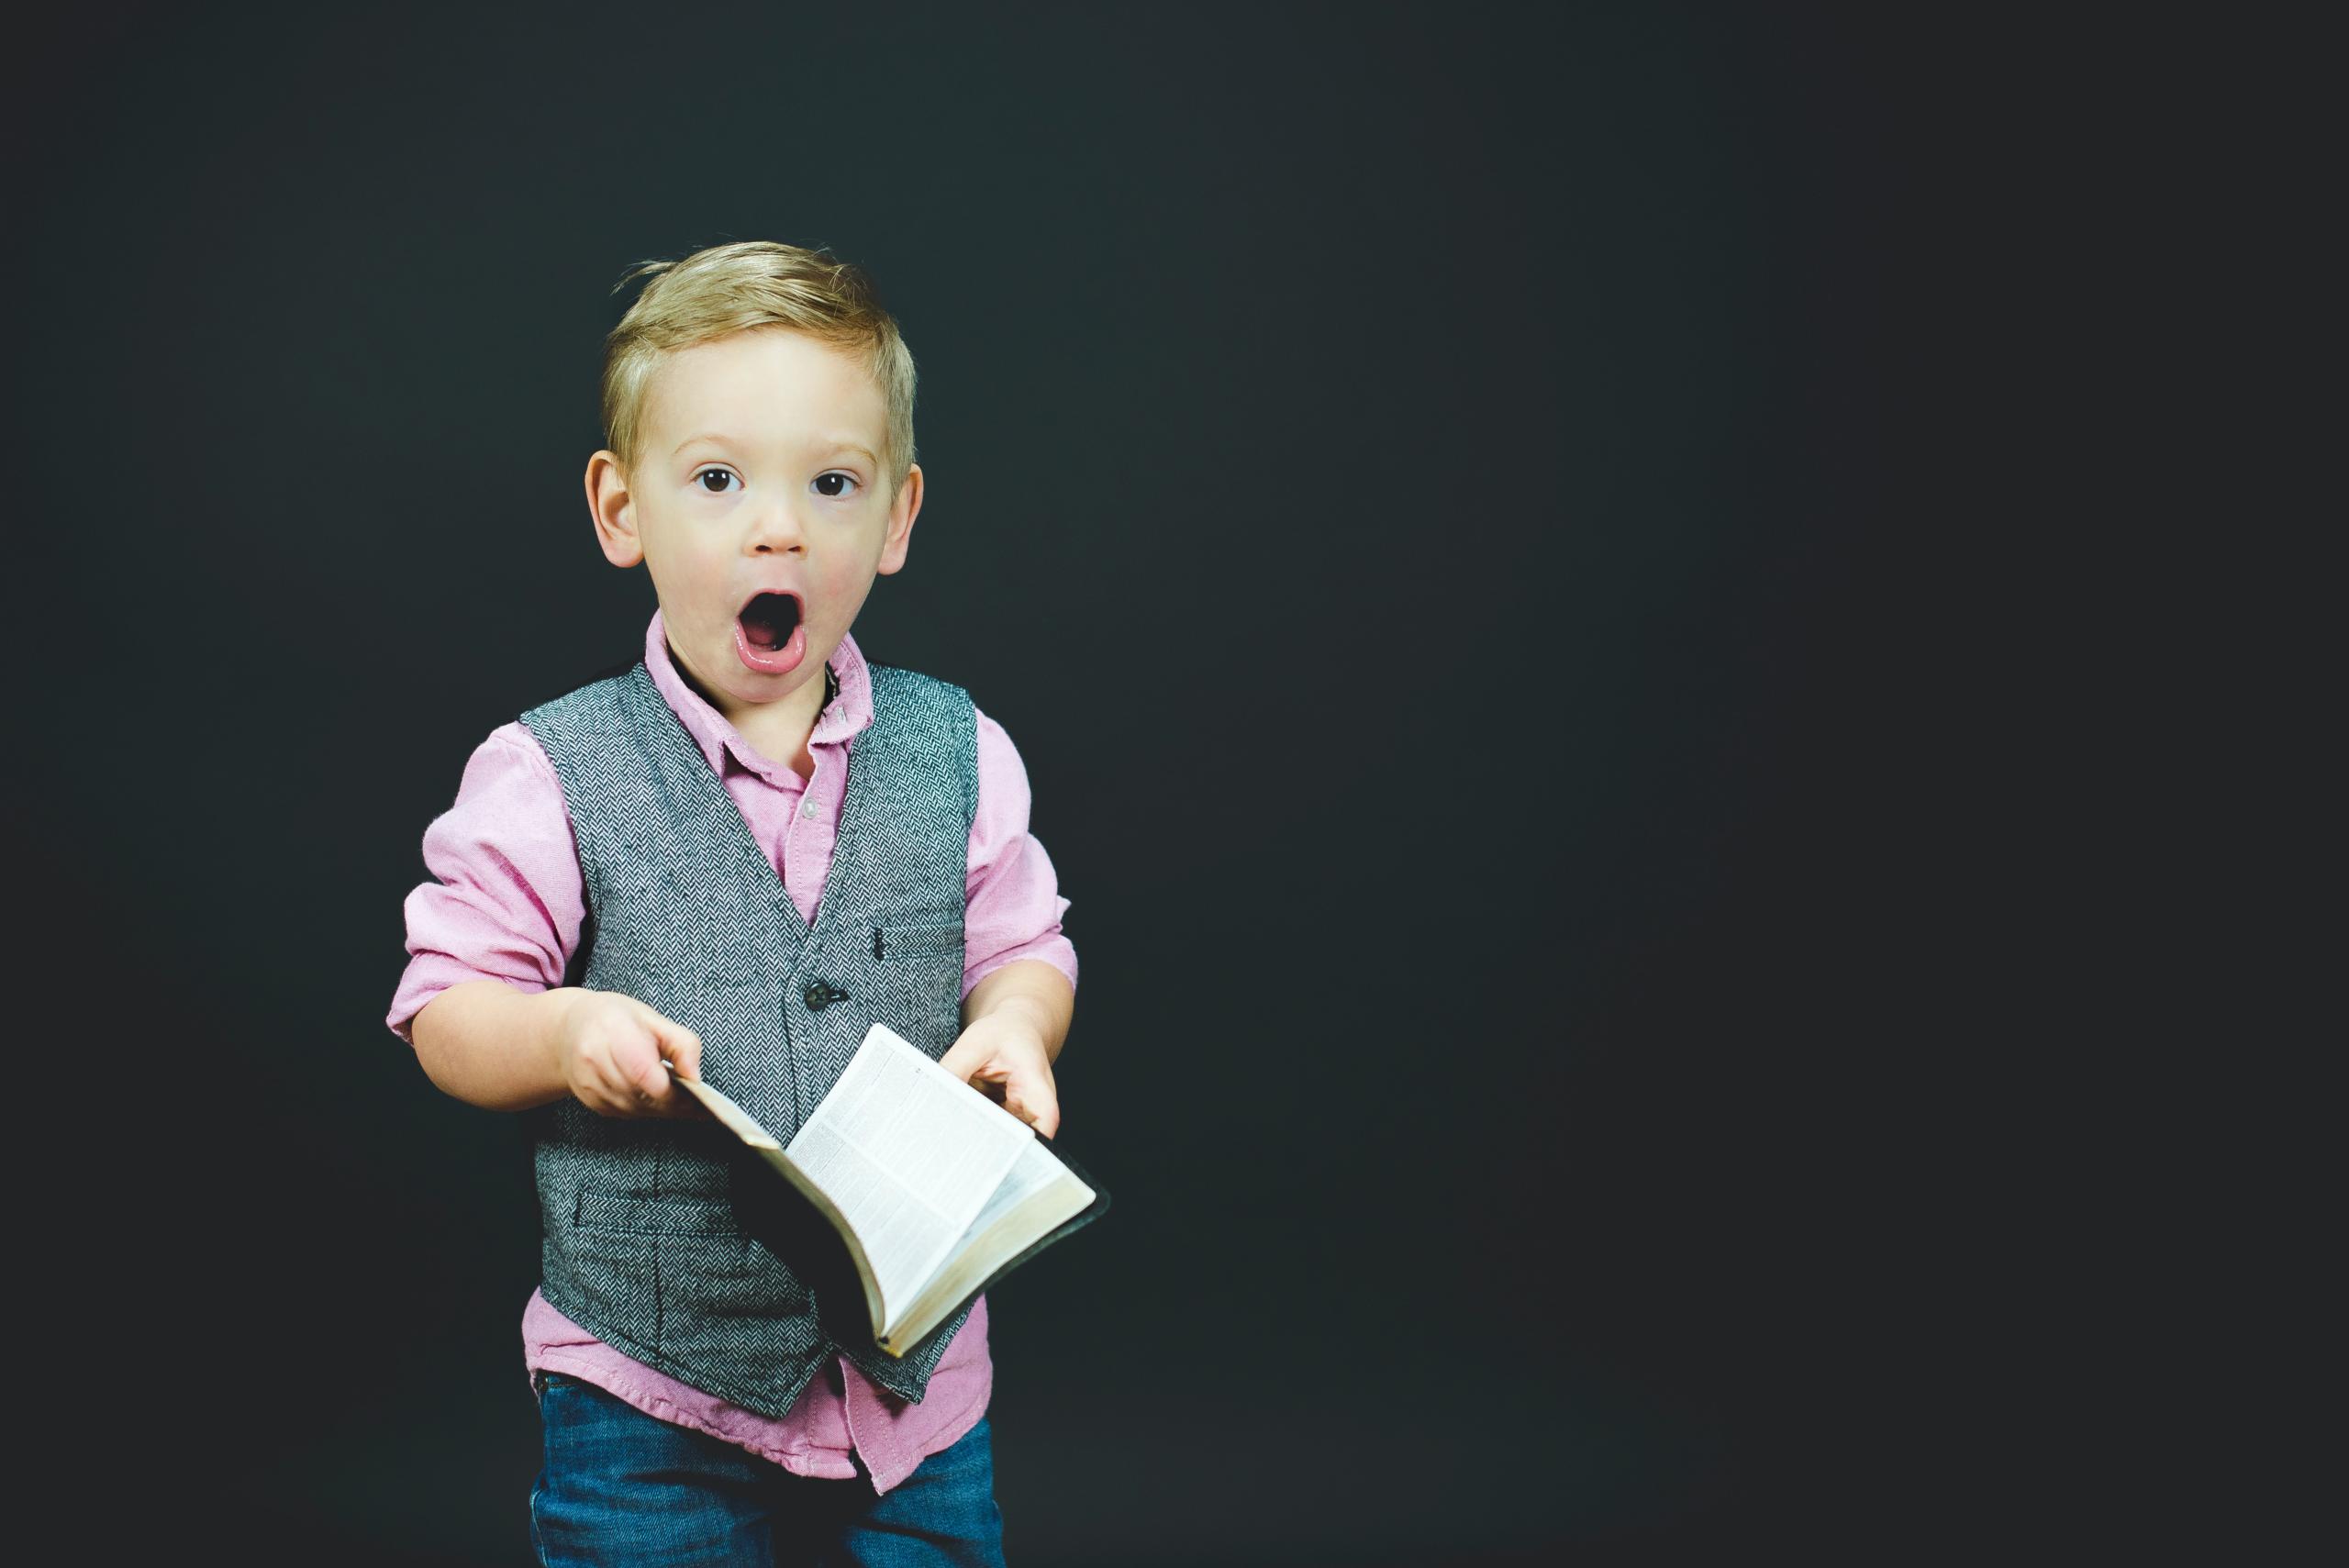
622 1487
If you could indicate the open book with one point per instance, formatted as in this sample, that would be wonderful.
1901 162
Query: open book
936 1190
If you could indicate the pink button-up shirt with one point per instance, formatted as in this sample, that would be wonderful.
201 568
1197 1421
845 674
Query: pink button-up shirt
508 904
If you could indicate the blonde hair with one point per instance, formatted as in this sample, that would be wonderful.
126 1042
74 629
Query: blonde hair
726 289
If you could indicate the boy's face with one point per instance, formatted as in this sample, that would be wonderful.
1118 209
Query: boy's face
758 474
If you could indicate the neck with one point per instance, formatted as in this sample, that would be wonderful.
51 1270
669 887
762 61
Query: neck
777 730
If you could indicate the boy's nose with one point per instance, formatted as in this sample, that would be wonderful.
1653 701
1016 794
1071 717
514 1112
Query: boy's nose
775 529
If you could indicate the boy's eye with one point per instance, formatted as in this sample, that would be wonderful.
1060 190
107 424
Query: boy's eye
834 484
703 479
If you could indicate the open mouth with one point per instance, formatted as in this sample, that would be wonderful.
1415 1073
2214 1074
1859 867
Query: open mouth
768 619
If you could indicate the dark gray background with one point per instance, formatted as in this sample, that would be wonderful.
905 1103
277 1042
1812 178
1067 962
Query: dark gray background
1411 480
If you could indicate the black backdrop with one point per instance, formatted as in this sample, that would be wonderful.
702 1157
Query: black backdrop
1405 477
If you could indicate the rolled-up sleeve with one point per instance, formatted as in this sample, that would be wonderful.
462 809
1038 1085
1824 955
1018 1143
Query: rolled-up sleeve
505 902
1012 906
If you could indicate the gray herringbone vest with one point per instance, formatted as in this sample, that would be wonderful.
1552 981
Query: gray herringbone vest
686 914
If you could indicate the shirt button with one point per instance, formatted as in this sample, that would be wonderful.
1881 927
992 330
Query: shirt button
807 808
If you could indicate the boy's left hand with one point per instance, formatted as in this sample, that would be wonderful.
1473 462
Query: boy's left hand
1003 1057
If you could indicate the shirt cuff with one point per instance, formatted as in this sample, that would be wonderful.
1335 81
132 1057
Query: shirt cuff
1052 948
428 975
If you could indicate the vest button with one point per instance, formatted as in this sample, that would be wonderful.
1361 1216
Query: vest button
820 994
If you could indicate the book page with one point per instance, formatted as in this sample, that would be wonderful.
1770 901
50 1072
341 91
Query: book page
909 1155
1037 1195
1031 1174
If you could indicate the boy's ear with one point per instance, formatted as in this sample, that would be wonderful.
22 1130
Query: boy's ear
607 500
902 512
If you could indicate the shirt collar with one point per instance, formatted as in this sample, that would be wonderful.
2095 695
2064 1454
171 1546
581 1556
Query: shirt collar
844 718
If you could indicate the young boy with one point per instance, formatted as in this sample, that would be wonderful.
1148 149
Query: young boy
728 862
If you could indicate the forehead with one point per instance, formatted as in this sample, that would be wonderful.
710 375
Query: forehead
767 385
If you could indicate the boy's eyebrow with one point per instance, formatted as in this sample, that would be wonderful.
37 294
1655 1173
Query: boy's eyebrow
827 443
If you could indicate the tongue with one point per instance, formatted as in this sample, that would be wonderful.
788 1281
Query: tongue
767 620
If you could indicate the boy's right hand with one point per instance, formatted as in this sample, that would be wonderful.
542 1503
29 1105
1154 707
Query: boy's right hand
611 1049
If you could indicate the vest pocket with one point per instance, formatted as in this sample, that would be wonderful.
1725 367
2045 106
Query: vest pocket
718 1281
729 1309
655 1215
916 987
916 940
682 1275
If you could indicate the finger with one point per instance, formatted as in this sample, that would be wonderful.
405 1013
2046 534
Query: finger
683 1101
1034 1101
682 1047
672 1041
603 1085
1047 1119
653 1089
989 1077
637 1079
650 1086
965 1056
608 1096
624 1095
